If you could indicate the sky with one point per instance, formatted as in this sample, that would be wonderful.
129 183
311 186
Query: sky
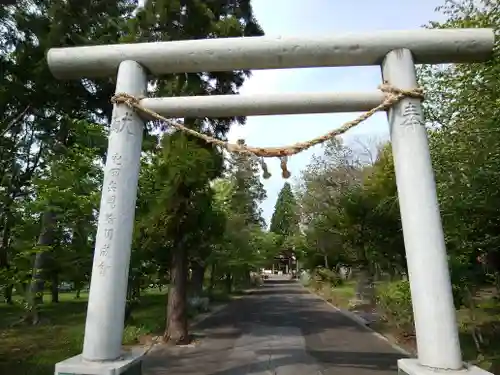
310 18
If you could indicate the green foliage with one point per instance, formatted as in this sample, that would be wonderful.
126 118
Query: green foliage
285 219
350 210
327 276
248 190
53 143
394 300
244 246
349 207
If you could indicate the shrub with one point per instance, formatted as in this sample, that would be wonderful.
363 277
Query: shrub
394 302
328 276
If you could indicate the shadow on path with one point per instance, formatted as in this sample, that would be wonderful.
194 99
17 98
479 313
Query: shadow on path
278 329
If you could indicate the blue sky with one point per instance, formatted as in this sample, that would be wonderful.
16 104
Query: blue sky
317 17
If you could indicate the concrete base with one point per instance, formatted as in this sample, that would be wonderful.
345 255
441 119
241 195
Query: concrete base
412 367
129 364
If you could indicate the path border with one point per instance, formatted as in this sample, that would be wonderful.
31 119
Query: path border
361 322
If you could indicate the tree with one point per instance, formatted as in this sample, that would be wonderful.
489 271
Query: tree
174 216
248 190
39 126
464 147
322 185
244 246
239 198
285 219
197 20
40 110
352 208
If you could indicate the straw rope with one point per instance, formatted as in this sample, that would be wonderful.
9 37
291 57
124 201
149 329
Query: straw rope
392 96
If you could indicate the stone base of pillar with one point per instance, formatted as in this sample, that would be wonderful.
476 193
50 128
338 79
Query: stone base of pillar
412 367
129 364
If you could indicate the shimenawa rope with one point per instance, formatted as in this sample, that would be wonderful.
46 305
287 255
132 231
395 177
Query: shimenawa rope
392 96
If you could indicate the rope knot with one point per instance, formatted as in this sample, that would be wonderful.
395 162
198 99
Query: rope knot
389 90
124 98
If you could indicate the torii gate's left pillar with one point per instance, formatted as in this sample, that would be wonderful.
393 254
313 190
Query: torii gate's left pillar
102 347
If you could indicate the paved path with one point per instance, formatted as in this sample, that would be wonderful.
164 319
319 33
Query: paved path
281 329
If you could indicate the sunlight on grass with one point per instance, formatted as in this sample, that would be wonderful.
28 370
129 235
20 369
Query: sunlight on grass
34 350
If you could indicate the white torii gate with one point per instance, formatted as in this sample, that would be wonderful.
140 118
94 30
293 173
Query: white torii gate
395 51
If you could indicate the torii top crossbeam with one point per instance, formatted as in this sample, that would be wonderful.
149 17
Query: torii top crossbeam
429 46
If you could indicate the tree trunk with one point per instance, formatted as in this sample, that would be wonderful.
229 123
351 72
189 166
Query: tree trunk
325 258
54 289
4 252
229 283
78 290
247 279
197 278
177 328
8 294
128 303
133 296
364 286
41 259
213 269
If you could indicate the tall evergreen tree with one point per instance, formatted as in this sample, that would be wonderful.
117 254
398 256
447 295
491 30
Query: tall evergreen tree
167 20
241 192
285 219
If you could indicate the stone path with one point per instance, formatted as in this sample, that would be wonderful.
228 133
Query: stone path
280 329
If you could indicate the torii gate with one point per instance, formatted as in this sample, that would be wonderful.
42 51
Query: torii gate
395 51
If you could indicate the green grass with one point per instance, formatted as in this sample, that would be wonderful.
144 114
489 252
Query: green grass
343 294
34 350
338 296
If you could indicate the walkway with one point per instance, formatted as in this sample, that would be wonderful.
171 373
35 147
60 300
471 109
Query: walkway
279 330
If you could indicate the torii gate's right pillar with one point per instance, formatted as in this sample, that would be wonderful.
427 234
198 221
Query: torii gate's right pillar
438 344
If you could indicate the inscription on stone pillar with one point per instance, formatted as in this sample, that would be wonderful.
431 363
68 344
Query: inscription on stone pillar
412 117
108 218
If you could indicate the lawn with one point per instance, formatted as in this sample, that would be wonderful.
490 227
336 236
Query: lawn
34 350
338 296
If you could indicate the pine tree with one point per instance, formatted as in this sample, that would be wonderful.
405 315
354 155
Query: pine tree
166 20
285 219
244 216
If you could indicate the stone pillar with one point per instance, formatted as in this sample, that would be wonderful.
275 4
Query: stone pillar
108 288
435 317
